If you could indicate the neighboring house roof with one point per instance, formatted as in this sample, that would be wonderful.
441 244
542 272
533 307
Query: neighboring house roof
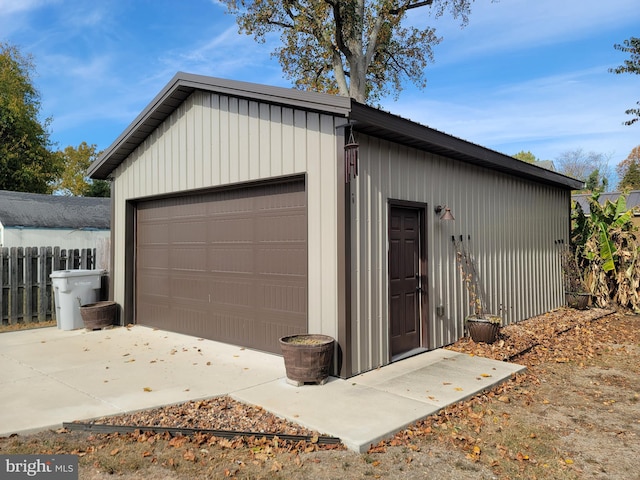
632 200
548 164
365 119
33 210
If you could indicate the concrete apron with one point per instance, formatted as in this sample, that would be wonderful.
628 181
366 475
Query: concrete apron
49 376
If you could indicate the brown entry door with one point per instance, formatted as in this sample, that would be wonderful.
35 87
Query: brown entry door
404 279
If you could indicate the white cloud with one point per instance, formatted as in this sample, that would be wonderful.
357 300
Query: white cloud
583 109
9 7
225 54
509 25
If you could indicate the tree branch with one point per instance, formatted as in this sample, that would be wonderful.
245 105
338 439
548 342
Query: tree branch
338 71
410 6
337 19
372 41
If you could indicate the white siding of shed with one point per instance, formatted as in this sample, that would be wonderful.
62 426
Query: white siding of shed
513 224
55 237
214 140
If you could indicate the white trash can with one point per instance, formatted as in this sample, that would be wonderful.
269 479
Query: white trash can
72 289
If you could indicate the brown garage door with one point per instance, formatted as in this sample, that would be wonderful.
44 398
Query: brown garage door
229 265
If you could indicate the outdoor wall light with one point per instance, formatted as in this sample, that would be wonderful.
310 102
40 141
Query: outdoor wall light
447 215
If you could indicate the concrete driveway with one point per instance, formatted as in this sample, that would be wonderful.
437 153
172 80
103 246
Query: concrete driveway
49 376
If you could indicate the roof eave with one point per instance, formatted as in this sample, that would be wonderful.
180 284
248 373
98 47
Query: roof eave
368 120
394 128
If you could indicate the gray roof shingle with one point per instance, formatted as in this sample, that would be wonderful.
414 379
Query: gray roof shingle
33 210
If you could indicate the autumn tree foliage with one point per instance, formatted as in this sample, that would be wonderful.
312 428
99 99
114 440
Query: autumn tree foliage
628 171
73 179
26 161
358 48
526 156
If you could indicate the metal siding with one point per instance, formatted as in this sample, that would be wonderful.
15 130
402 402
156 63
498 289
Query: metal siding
513 224
287 155
232 142
325 157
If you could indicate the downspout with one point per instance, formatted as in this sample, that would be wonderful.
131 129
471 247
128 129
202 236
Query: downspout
112 252
343 366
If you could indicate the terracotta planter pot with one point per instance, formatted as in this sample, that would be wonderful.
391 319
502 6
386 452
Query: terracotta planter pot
307 358
481 329
577 300
99 315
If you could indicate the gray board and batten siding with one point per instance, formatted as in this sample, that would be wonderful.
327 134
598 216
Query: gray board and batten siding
208 137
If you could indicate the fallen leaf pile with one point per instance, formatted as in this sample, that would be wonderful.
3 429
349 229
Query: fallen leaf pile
220 413
541 331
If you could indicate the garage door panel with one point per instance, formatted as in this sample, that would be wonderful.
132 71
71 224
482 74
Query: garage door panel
232 292
285 262
188 259
157 285
230 230
231 259
193 232
154 233
230 266
282 228
283 299
153 258
189 288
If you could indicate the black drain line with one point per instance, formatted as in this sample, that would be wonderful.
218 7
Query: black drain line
101 428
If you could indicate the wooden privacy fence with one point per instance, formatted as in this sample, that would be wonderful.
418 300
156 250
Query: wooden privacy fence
26 286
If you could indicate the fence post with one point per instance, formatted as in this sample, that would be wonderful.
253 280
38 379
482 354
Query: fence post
4 277
43 278
56 258
14 285
29 271
74 255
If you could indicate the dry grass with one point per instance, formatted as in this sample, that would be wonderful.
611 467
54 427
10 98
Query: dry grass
26 326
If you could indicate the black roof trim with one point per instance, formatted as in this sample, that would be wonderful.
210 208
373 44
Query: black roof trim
378 123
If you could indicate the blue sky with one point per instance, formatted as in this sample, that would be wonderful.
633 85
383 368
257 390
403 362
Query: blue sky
523 75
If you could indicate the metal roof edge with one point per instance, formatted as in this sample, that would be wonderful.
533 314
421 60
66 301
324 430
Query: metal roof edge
286 96
181 86
370 120
384 124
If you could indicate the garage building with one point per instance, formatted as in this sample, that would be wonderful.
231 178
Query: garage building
244 212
